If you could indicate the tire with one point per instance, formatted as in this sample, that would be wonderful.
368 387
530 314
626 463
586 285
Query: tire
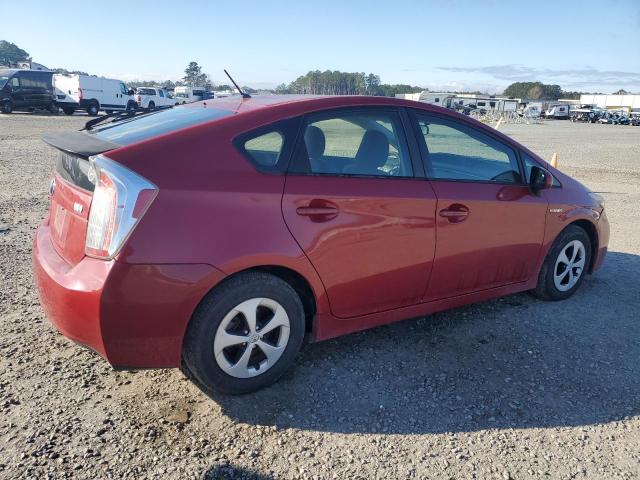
7 108
108 112
151 106
556 282
226 372
53 108
68 111
93 108
131 106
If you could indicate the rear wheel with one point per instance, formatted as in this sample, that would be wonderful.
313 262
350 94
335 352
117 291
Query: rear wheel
131 105
6 107
93 108
244 335
566 265
152 105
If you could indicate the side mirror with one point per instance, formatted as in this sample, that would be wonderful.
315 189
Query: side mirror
540 179
131 92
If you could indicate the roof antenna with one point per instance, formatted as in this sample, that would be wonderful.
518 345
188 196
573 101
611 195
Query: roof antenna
244 94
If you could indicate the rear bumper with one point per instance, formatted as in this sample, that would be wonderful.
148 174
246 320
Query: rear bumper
135 316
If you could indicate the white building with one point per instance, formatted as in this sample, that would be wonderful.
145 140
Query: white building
612 102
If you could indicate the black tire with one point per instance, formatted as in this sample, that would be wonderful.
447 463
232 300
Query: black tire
7 107
199 363
68 111
152 105
93 108
53 108
546 288
132 105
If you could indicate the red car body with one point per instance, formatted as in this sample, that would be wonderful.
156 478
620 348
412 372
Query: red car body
388 255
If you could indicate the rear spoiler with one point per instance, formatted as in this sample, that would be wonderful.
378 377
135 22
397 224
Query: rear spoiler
79 143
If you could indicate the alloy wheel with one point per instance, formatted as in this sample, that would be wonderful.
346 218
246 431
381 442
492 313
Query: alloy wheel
569 265
251 338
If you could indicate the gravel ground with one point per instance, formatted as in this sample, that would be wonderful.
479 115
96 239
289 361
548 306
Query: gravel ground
512 388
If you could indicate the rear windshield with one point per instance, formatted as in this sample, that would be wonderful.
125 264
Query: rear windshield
153 124
74 170
146 91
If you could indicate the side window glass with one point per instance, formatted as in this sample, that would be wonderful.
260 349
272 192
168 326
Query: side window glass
459 152
15 82
367 143
123 89
161 93
265 149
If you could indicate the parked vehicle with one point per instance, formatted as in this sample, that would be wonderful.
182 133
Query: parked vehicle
558 112
86 92
634 119
152 97
26 90
173 239
192 94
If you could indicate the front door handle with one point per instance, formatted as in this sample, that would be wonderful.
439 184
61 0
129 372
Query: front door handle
455 213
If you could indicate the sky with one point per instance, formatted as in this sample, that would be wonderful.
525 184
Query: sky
441 45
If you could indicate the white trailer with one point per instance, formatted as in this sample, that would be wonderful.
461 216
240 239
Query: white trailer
191 94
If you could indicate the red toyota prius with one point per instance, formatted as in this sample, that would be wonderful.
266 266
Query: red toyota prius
216 236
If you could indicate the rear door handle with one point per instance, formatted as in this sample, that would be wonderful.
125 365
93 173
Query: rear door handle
318 213
308 211
455 213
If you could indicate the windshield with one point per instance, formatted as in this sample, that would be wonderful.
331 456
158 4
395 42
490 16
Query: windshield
5 75
156 123
182 94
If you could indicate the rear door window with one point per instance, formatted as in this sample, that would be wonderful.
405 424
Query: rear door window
367 142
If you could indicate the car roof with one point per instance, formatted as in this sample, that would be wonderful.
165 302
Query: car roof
302 103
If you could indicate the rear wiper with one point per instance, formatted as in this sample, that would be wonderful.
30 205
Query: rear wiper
119 116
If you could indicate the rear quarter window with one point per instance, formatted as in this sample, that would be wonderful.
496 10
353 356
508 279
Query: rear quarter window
265 149
269 148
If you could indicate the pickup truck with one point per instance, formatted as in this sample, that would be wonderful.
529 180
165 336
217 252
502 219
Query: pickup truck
151 97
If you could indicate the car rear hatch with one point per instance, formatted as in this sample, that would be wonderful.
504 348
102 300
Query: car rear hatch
72 190
73 187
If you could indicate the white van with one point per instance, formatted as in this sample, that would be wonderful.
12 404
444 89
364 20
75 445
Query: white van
74 92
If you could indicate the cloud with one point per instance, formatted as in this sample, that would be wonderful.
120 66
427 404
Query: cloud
567 78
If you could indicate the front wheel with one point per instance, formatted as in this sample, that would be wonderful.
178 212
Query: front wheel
7 108
245 334
566 264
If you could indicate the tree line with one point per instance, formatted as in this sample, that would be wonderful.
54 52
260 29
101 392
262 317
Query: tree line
335 82
541 91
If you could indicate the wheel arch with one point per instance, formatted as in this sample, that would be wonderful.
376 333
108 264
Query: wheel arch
592 232
295 279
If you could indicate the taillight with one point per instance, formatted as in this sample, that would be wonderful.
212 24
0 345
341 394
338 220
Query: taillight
139 99
79 94
120 199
